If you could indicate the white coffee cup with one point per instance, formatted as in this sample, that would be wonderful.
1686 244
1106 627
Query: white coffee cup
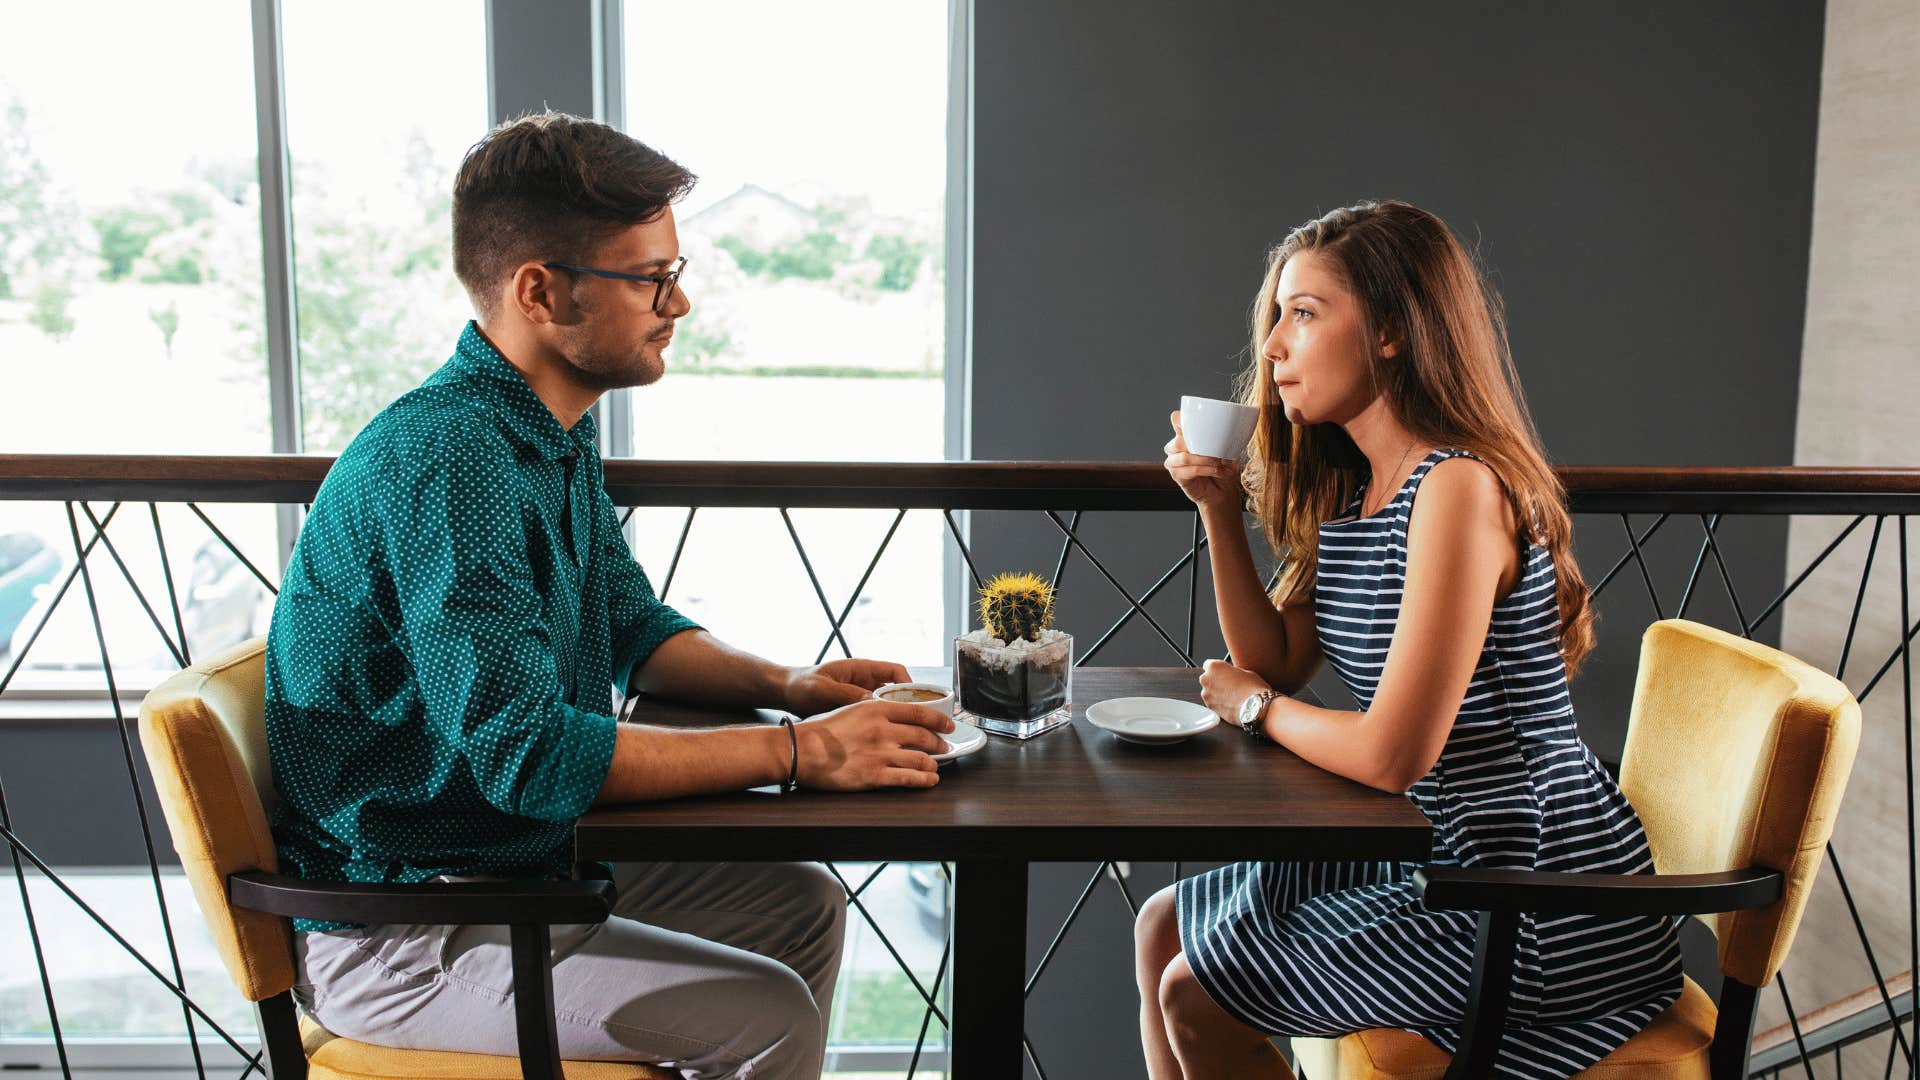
1215 428
944 702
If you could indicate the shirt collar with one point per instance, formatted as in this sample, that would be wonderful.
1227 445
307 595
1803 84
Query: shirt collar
525 416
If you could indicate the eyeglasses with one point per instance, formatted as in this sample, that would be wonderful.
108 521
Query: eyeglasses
664 284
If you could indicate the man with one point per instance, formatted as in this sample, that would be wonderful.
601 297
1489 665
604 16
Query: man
443 654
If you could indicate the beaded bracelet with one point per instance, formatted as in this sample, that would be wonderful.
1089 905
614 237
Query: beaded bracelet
793 770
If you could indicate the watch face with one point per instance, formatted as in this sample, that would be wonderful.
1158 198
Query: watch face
1249 709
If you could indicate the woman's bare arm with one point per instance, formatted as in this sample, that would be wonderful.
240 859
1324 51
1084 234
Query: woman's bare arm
1281 646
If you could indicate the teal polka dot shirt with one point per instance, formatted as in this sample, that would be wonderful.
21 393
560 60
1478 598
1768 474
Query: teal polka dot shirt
441 664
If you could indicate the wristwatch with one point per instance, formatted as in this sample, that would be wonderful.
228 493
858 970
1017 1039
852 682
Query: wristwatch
1252 709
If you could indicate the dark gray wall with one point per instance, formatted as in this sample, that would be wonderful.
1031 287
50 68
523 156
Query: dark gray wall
1638 179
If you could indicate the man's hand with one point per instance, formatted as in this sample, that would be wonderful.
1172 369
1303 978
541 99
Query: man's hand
831 685
872 744
1225 688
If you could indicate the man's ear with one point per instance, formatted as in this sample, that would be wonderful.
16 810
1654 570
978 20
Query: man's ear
539 294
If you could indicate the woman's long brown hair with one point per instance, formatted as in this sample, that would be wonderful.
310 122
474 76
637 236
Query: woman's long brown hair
1452 384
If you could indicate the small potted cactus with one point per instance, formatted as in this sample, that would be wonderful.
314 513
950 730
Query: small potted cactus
1015 675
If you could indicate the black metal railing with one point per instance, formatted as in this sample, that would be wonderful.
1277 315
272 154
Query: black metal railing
1662 528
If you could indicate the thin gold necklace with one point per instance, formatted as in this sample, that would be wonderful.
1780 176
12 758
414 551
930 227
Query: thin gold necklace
1408 452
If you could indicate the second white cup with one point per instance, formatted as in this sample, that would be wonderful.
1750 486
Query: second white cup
1217 428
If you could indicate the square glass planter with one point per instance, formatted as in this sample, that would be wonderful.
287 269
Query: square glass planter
1017 692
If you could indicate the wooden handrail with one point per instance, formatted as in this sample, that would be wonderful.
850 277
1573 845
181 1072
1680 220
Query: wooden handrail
983 485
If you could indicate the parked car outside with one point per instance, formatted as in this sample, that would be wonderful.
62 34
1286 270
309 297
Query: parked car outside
26 562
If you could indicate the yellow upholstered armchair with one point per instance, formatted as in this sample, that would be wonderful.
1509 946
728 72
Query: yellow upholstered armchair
204 734
1736 758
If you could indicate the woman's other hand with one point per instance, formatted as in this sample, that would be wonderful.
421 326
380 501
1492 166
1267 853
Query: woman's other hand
1224 688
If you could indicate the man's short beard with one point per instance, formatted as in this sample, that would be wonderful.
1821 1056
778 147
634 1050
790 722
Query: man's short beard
604 377
592 371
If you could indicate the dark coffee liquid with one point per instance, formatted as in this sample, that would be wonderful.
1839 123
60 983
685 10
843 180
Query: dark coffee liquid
916 696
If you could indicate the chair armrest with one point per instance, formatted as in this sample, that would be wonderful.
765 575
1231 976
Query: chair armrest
546 903
1459 888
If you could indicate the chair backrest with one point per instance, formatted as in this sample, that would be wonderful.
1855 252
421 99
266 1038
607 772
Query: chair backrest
1737 755
205 737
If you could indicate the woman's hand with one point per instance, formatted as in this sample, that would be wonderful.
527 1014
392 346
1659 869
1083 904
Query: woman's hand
1224 688
1212 483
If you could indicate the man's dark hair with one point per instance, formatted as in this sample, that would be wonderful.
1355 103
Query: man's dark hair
550 186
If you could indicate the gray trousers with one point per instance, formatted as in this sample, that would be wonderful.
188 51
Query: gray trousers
716 969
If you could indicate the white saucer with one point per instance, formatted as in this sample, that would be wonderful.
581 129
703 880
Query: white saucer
964 739
1151 721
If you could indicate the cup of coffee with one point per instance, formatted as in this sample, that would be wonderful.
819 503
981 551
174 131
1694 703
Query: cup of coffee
1217 428
932 695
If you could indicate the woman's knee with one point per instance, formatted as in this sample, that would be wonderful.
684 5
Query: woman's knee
1156 931
1186 1006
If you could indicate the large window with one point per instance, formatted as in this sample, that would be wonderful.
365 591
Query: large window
136 316
815 246
129 231
130 310
373 160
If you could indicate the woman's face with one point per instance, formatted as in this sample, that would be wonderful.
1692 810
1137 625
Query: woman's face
1318 349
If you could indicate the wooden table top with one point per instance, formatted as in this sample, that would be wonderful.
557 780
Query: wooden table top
1076 793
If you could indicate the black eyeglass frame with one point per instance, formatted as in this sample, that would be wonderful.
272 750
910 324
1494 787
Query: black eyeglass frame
663 284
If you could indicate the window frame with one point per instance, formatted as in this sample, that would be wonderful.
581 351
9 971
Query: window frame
586 58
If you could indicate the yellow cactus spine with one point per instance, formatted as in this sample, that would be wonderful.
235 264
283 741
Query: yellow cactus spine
1016 606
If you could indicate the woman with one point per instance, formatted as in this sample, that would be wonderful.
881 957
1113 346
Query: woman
1455 628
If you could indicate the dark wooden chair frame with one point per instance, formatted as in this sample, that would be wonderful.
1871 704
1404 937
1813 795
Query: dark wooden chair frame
1501 896
527 908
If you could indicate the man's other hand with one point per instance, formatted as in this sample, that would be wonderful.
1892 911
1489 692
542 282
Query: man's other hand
828 686
872 744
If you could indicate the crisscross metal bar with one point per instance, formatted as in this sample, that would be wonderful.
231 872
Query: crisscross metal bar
861 587
965 555
133 778
47 615
1859 598
1766 612
819 593
1127 616
139 594
20 848
1733 594
166 572
1621 563
1193 578
1126 894
1906 710
1893 658
1693 576
1645 574
1073 913
1027 1045
33 934
1873 962
678 548
1066 546
1793 1021
234 549
939 975
926 1017
891 951
1121 589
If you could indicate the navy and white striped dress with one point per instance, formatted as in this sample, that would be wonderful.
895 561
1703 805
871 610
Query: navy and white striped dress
1322 949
